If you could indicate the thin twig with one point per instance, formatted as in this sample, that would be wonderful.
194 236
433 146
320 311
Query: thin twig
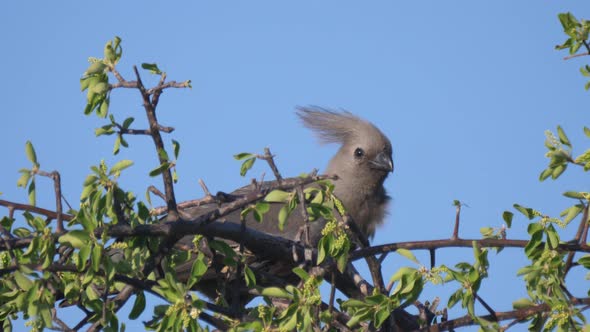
157 192
269 158
127 131
303 207
204 187
464 243
159 143
519 314
170 84
58 207
457 219
487 306
59 322
332 293
34 209
432 257
579 238
576 55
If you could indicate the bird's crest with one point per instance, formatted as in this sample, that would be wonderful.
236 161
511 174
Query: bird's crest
336 126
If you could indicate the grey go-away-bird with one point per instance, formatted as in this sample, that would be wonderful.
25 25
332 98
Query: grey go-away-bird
362 164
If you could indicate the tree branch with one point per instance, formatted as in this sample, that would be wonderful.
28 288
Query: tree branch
520 315
465 243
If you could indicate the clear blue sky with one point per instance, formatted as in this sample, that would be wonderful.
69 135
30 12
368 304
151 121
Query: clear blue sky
464 91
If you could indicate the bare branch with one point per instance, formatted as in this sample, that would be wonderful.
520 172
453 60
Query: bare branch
457 219
269 158
465 243
34 209
159 143
519 315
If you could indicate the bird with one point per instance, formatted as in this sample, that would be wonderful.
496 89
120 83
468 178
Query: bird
362 163
361 166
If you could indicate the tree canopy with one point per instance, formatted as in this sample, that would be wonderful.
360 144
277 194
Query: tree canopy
115 249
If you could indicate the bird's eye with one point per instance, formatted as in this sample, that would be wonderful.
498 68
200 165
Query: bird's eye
358 153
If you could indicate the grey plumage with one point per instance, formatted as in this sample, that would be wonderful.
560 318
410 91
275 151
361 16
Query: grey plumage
362 164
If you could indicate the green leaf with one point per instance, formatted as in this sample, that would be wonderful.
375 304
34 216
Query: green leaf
283 216
533 244
163 154
109 53
30 152
127 122
24 179
585 261
91 293
95 68
403 271
103 110
301 273
158 170
552 237
243 155
152 67
262 207
407 254
276 292
527 212
455 298
341 261
586 131
117 145
104 130
100 88
32 193
563 137
76 238
22 281
322 249
557 171
277 196
507 216
574 194
353 303
96 258
176 147
249 277
83 256
545 174
119 166
138 305
572 212
486 231
381 316
174 176
522 303
246 165
197 270
290 324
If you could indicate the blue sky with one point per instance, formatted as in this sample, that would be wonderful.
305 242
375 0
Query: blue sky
464 91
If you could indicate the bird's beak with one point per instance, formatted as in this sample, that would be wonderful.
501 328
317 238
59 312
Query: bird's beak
382 162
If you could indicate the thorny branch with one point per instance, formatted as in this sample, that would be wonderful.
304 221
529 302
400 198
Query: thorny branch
580 238
459 243
150 111
520 314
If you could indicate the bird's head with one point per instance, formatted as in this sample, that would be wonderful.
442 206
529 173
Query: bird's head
364 158
362 163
